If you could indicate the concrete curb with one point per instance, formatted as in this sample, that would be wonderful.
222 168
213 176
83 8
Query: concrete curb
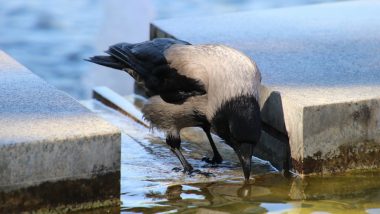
47 136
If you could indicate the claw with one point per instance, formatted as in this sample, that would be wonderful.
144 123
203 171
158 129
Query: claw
199 172
176 169
193 172
213 161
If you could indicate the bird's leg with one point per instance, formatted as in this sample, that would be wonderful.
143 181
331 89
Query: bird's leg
174 141
217 158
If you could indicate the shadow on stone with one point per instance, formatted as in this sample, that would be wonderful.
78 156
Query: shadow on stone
274 144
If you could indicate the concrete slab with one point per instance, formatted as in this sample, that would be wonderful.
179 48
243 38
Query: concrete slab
47 136
320 66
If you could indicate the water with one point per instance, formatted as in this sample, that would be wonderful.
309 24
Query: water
53 37
148 184
271 193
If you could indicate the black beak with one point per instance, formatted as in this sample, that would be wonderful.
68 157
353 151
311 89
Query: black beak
244 152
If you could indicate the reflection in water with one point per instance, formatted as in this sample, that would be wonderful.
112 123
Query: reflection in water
353 193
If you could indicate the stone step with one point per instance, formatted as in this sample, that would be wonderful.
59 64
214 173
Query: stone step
321 76
115 101
47 137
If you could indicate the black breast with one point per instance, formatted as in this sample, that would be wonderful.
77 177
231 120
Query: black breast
239 120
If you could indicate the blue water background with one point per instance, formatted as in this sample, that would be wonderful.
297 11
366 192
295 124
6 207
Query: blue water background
52 38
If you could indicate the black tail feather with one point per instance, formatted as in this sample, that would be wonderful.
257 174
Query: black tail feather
140 60
124 54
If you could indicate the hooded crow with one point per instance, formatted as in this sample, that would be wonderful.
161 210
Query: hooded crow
214 87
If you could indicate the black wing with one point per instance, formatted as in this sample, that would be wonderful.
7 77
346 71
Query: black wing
148 61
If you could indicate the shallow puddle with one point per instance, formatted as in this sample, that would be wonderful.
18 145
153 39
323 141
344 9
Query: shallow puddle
149 185
359 193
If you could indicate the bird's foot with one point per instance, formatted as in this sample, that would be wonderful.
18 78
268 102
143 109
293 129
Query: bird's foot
176 169
214 161
186 169
193 172
199 172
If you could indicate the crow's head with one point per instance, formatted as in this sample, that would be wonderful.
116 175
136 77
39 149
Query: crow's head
238 122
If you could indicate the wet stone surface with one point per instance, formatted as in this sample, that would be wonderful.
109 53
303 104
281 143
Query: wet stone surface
145 151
